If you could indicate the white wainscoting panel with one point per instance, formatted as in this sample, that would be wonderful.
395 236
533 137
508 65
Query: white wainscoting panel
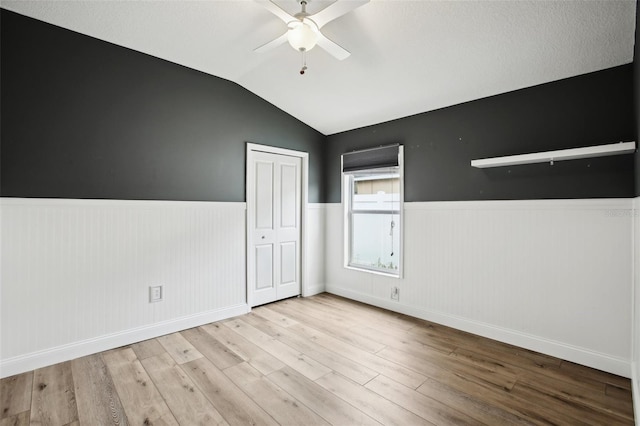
551 275
76 273
315 249
635 339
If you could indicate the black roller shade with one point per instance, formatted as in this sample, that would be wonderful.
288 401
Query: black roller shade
374 158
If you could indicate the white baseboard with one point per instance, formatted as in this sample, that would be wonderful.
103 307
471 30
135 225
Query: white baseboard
635 389
560 350
20 364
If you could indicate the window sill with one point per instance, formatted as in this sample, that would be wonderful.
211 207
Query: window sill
372 271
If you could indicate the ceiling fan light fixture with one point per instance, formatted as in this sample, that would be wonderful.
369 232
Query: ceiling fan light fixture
304 28
302 36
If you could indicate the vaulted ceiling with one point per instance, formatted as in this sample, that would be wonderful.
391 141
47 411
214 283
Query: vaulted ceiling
407 57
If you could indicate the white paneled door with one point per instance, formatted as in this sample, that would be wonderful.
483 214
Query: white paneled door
274 224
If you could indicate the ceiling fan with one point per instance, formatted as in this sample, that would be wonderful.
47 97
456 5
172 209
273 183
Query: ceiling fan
304 29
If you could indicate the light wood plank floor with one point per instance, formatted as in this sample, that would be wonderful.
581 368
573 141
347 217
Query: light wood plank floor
316 361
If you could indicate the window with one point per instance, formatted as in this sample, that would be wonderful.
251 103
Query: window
373 198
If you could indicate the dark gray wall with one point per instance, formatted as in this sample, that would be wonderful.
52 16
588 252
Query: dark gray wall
82 118
591 109
636 81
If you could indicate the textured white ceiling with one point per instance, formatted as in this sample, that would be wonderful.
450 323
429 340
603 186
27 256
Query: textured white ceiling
407 57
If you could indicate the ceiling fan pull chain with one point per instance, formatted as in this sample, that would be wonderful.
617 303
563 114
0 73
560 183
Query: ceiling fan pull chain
304 62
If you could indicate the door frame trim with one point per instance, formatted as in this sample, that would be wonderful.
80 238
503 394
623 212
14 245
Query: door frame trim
250 192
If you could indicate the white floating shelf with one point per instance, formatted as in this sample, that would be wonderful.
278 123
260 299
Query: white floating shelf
559 155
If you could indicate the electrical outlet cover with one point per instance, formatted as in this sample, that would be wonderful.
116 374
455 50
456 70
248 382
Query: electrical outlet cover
155 293
395 293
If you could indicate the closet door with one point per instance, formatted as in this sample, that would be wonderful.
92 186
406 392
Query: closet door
274 258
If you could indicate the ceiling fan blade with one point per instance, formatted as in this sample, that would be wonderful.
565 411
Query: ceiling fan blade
272 44
336 10
332 48
276 10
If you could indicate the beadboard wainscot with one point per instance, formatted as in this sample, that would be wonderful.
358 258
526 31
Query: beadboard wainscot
552 276
314 280
635 378
76 273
